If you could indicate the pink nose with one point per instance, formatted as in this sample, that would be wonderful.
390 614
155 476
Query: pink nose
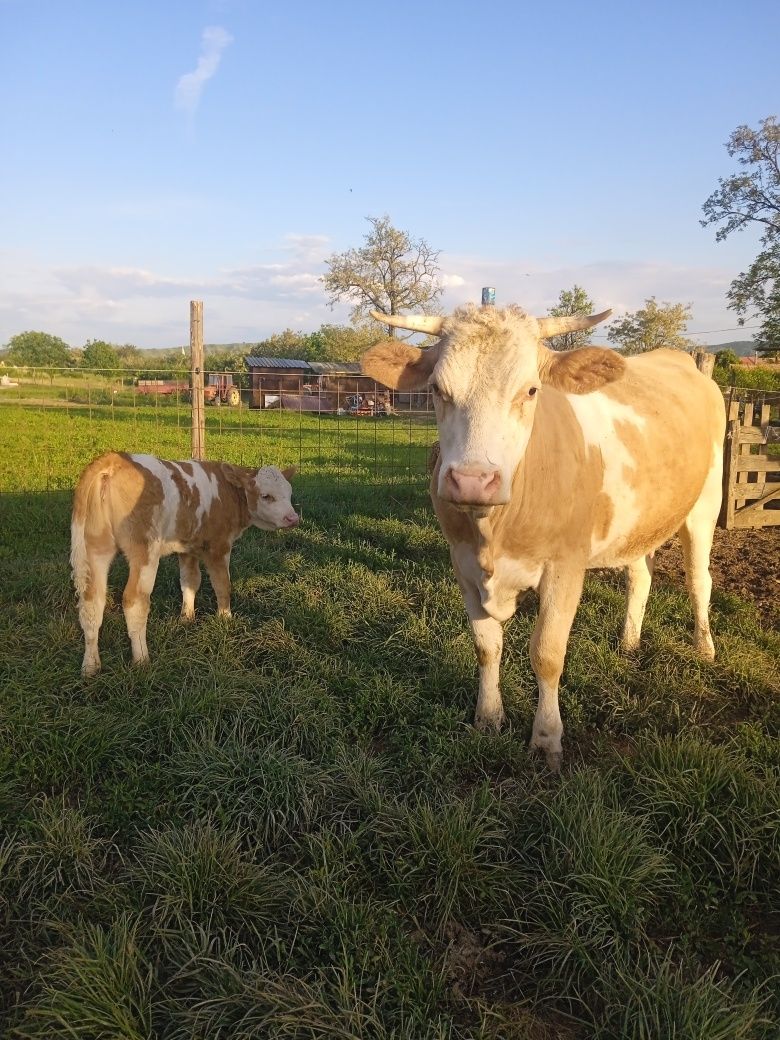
291 519
474 485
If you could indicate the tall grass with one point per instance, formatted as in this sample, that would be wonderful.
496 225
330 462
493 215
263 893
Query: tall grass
285 825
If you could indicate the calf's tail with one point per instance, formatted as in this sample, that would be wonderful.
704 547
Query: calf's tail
90 523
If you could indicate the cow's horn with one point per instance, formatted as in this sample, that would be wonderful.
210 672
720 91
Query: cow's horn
573 323
430 323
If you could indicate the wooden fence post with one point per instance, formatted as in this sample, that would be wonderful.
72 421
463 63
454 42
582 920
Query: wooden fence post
705 361
197 363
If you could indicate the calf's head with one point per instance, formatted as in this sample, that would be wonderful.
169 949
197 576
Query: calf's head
486 375
268 495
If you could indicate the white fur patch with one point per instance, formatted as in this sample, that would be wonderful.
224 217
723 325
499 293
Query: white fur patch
207 487
597 416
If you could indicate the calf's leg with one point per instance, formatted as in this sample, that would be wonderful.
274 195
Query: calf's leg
189 580
135 600
218 567
92 604
559 595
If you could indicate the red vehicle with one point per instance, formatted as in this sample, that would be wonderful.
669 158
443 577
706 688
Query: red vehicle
221 390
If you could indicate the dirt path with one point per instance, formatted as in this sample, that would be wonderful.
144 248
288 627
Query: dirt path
745 563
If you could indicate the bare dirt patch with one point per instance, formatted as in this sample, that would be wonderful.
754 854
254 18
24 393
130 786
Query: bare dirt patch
743 563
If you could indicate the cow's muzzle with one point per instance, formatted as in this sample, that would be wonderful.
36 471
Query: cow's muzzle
473 485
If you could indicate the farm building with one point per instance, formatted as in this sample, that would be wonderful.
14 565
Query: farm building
318 386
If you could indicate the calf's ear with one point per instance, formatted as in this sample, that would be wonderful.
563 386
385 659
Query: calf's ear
234 474
399 365
290 472
579 371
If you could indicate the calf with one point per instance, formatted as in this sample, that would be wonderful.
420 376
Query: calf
146 508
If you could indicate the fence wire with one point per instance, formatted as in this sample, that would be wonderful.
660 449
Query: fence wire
53 422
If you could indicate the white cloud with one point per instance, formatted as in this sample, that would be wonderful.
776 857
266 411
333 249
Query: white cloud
190 86
151 308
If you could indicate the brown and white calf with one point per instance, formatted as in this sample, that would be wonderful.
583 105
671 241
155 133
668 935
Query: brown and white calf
146 508
552 463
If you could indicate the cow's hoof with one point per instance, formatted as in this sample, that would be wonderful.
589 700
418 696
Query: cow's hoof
186 619
554 760
90 670
553 756
490 723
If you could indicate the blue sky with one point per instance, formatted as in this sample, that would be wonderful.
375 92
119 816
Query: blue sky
221 149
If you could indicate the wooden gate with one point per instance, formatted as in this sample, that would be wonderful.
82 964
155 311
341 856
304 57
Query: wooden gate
751 471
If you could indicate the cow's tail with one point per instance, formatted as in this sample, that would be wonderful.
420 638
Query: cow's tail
90 521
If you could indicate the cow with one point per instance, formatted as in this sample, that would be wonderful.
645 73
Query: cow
552 463
147 508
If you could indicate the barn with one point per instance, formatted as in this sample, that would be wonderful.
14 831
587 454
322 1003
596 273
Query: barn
311 386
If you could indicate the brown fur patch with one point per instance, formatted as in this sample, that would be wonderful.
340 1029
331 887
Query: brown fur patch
580 371
399 365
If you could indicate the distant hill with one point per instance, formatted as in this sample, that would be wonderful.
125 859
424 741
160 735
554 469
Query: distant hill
741 347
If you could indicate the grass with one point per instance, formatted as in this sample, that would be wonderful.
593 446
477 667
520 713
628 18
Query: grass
285 825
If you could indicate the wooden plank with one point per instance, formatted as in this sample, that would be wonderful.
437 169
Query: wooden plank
748 420
730 454
757 464
743 491
757 518
198 445
764 414
753 434
762 500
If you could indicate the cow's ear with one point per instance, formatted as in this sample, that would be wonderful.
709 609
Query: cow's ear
399 365
290 472
235 475
580 371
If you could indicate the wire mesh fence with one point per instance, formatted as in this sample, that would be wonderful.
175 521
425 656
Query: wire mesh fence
336 428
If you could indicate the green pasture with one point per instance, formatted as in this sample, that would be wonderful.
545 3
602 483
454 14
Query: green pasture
46 445
285 826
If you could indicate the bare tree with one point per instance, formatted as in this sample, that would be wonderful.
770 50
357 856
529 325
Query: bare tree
392 273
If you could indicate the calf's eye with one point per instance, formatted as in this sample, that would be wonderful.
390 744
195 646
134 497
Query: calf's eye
532 391
268 498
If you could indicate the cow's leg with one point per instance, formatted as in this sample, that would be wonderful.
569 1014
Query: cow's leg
92 604
639 574
489 643
218 567
189 579
696 536
559 595
135 600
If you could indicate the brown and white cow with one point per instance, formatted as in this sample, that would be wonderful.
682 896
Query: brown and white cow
147 508
553 463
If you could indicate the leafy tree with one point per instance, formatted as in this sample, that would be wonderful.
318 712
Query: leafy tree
287 344
391 273
571 301
38 350
726 358
341 342
654 325
99 354
130 356
747 198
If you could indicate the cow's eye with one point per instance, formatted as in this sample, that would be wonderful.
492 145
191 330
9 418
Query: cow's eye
532 391
268 498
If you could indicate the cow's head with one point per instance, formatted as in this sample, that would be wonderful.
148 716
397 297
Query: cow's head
268 495
486 374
